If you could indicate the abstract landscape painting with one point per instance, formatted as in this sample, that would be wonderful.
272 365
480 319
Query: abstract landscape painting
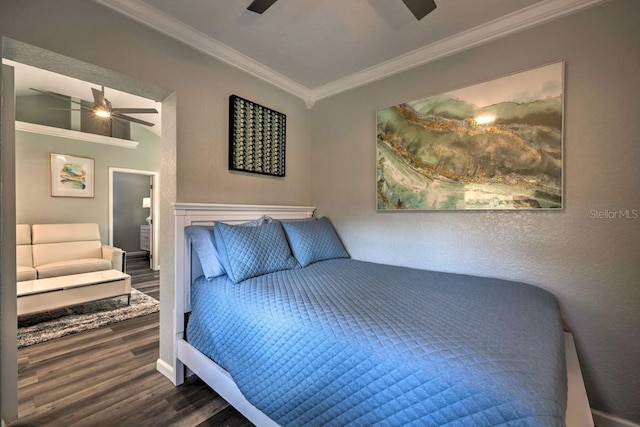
71 176
493 145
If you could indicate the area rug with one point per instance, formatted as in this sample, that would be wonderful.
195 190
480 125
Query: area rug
41 327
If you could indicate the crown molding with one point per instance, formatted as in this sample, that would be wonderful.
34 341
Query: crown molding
523 19
165 24
539 13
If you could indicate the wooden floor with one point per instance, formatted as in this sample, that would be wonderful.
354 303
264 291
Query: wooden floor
142 277
108 377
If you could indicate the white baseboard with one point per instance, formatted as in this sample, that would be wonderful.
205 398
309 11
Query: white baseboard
602 419
165 369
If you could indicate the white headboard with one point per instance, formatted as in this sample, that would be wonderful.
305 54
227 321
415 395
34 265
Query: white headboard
207 214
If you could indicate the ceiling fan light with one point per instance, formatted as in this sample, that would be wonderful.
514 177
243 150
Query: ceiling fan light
102 113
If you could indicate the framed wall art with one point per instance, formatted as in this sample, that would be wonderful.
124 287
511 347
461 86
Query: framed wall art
492 145
71 176
257 137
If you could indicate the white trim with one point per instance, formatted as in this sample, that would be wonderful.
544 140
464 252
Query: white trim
578 411
165 369
159 21
222 382
605 420
155 258
523 19
235 212
74 134
539 13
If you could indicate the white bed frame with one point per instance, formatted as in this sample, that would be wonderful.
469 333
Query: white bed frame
188 361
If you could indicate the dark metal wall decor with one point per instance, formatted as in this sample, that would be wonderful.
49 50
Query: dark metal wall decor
256 138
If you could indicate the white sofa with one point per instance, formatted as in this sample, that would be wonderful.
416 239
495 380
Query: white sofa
52 250
24 256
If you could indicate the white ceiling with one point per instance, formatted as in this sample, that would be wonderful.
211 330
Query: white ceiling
27 77
316 48
316 42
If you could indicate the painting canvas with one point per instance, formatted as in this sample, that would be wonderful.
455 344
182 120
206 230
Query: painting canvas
257 136
71 176
492 145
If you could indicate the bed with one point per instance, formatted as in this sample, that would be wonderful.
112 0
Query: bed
331 343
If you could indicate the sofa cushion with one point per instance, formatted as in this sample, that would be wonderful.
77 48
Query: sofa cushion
24 256
25 273
68 251
58 233
23 234
76 266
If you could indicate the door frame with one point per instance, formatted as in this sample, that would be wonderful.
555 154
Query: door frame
8 298
44 58
155 209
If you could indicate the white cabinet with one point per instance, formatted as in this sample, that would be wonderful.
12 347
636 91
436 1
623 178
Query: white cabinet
145 238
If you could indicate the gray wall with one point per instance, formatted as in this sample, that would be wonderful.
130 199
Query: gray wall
43 110
34 204
202 86
198 112
591 265
128 213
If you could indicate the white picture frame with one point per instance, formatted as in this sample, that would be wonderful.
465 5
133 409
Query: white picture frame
72 176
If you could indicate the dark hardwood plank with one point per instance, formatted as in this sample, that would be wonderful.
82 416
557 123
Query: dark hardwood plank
142 278
108 377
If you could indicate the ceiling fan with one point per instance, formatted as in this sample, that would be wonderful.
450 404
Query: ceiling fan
419 8
102 107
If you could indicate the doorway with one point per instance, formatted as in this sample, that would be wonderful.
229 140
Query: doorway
37 57
134 210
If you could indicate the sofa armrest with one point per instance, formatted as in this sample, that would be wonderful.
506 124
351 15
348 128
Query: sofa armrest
115 255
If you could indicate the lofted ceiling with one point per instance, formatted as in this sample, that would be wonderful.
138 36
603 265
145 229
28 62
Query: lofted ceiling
27 77
316 48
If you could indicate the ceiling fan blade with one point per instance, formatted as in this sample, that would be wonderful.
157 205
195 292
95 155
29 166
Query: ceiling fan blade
420 8
134 110
119 116
98 96
259 6
55 95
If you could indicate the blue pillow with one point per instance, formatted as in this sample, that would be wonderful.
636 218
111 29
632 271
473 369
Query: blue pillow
202 240
248 252
313 241
204 244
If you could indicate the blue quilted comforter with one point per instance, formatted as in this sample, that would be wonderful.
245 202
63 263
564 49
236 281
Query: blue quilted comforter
344 342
